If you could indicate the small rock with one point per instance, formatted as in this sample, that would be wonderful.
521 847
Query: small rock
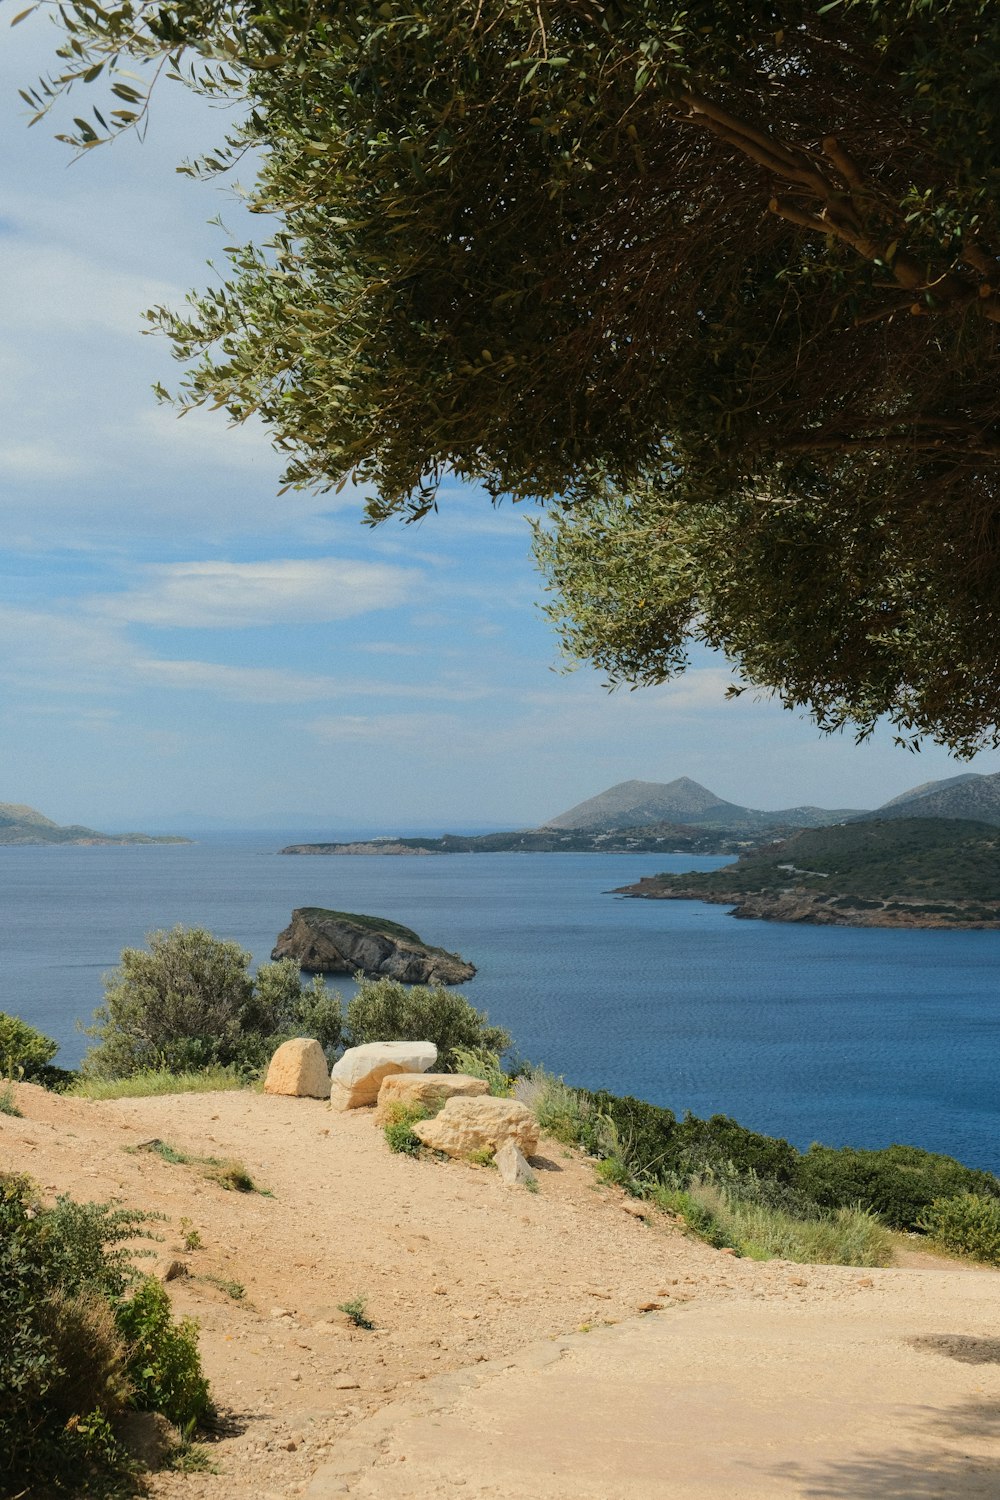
280 1312
295 1375
650 1306
298 1069
512 1166
345 1383
356 1078
637 1209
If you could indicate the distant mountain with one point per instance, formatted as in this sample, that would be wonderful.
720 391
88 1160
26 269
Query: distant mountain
634 804
26 825
965 796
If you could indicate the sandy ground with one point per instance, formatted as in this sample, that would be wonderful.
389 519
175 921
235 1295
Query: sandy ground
542 1346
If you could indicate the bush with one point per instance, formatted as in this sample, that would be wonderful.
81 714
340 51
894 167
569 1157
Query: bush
163 1358
643 1134
190 1003
968 1224
384 1010
722 1143
71 1365
26 1054
898 1183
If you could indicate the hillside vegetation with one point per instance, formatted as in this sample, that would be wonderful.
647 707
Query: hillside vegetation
905 872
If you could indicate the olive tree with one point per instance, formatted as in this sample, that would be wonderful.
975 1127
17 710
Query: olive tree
719 280
190 1001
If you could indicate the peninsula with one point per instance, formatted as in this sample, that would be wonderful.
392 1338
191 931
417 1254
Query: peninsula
343 942
905 872
25 825
682 817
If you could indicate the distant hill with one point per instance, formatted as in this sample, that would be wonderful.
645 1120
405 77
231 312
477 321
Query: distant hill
26 825
906 872
634 804
965 796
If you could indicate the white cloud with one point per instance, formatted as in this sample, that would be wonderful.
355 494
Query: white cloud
46 288
202 436
286 590
38 461
247 684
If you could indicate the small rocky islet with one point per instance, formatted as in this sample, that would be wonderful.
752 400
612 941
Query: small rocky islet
322 941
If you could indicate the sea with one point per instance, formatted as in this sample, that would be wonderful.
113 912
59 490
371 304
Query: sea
859 1037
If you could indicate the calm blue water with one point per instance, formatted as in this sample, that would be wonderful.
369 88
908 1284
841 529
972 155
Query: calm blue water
858 1037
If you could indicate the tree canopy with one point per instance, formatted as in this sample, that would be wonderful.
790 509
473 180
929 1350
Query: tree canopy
719 280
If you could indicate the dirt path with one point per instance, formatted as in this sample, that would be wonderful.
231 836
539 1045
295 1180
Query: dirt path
460 1274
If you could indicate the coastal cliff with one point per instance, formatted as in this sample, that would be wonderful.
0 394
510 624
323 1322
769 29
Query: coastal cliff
339 942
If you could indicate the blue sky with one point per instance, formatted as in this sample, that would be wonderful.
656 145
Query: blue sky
179 645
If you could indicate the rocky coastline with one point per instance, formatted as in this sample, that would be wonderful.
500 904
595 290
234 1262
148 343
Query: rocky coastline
825 909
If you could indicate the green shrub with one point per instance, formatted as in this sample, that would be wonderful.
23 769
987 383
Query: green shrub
163 1359
383 1010
26 1054
357 1310
282 1008
190 1004
720 1142
70 1364
968 1224
8 1104
898 1183
398 1128
644 1133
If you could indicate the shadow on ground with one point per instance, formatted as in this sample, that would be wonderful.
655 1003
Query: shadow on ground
932 1471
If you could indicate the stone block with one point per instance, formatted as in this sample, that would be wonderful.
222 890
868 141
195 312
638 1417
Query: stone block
299 1069
468 1125
357 1077
426 1090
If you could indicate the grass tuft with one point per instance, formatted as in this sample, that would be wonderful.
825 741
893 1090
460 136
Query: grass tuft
8 1104
234 1289
844 1237
231 1174
158 1081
